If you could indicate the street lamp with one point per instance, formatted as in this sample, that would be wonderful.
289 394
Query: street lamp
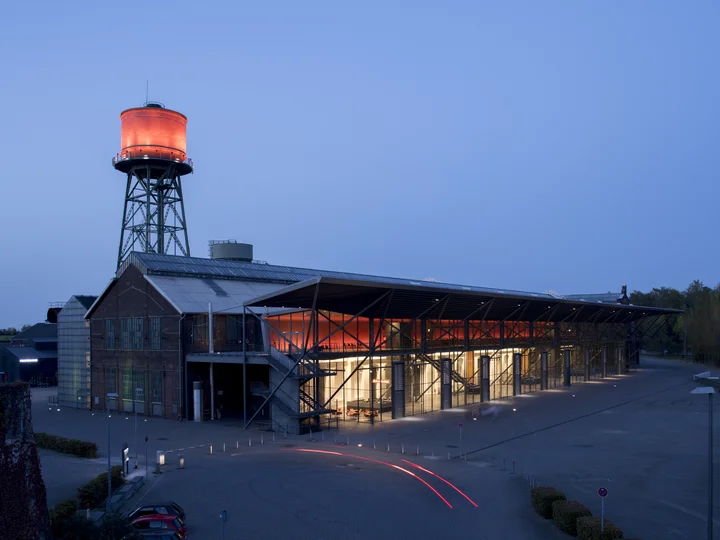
108 396
709 391
137 391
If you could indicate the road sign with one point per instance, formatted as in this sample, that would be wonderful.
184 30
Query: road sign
603 492
460 424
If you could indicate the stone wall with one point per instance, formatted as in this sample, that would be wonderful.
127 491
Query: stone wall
23 502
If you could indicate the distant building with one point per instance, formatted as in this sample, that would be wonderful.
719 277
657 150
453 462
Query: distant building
31 356
606 298
73 345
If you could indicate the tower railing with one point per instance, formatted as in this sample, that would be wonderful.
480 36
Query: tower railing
125 157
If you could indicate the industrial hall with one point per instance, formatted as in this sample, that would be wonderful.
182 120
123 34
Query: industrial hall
294 349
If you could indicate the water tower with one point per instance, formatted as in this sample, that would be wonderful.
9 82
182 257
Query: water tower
153 156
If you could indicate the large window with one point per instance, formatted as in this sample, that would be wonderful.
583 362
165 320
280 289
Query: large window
131 333
137 329
155 333
125 342
109 334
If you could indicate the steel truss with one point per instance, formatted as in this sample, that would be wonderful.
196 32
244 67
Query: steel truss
154 212
605 330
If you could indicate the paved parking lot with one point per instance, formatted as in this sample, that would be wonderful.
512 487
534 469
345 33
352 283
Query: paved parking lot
642 436
327 491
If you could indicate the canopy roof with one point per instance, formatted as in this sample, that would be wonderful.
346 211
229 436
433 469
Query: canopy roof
403 301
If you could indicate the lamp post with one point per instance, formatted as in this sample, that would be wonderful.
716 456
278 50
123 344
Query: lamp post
108 506
709 391
137 391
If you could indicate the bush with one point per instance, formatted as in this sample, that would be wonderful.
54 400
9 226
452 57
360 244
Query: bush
588 528
542 499
95 491
74 447
62 515
566 513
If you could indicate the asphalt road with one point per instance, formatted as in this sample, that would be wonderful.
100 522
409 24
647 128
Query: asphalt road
642 436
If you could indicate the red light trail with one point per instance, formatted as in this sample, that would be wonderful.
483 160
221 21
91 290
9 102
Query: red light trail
398 467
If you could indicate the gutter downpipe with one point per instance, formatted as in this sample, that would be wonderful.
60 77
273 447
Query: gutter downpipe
211 350
244 350
181 372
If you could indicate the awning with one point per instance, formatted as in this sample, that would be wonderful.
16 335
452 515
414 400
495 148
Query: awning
408 301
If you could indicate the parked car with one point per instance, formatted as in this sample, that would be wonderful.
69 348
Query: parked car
161 535
160 522
168 508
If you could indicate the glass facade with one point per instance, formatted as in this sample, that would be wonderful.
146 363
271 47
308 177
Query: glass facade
353 358
73 356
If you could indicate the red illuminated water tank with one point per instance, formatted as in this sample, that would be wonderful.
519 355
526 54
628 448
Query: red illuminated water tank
152 134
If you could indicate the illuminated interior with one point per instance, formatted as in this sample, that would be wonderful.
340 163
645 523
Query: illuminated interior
358 384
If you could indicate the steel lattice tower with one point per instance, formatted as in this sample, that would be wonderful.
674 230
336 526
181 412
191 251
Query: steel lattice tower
153 156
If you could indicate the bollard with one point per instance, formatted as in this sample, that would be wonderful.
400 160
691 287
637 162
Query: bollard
249 441
311 434
182 461
322 436
417 450
262 441
432 451
513 471
388 447
448 455
237 445
374 447
224 448
402 448
211 450
273 436
347 441
466 457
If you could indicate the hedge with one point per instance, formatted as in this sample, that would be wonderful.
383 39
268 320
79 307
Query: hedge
73 447
543 498
566 513
588 528
62 515
95 491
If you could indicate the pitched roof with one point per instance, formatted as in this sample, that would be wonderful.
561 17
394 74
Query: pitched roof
191 295
22 353
85 300
38 331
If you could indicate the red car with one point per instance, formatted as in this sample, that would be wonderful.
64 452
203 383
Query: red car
159 522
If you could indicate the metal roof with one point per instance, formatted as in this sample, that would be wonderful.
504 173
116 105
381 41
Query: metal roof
608 297
191 295
449 303
22 353
39 330
85 300
171 265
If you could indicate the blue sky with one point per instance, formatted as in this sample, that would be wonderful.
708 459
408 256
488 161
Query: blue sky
528 145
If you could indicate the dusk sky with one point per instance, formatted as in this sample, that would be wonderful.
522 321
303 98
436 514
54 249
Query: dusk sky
529 145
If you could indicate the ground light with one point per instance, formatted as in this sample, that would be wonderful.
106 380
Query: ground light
709 391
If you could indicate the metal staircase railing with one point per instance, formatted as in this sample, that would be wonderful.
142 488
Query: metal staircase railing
456 377
260 389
